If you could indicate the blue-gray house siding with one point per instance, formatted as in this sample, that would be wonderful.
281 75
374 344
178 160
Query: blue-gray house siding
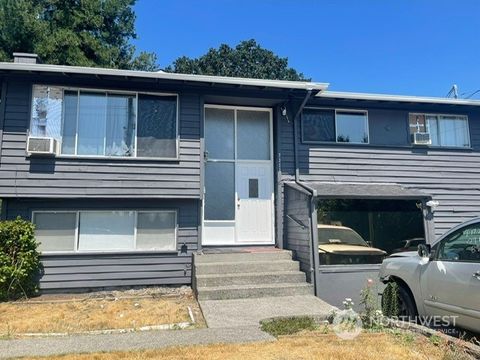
22 176
450 176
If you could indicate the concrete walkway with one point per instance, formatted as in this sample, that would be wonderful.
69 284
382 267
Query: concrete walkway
228 321
130 341
249 312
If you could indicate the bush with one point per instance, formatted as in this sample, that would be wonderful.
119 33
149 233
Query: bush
19 260
390 304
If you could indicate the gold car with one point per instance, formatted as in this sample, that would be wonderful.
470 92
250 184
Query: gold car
343 245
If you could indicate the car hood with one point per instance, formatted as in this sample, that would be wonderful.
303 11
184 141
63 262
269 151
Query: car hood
349 249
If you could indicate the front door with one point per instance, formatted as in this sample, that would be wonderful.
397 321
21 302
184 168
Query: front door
238 206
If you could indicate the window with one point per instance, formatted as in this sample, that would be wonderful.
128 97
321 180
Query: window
123 230
328 125
105 123
444 130
462 246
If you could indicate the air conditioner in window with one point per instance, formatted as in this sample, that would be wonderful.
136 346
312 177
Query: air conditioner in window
422 138
41 145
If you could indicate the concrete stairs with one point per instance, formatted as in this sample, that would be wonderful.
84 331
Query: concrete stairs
241 275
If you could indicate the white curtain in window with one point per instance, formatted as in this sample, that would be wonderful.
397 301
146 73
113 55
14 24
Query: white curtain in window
119 127
453 131
91 124
432 128
106 231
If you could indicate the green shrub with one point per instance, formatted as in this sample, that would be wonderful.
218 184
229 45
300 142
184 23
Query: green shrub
19 260
390 304
288 326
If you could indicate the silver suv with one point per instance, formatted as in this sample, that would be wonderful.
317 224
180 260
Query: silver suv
441 280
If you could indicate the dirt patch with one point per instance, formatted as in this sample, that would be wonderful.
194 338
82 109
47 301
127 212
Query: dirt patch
98 311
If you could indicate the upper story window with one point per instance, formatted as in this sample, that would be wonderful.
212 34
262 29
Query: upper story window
440 130
329 125
106 123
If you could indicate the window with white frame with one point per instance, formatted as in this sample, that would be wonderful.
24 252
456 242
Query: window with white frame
103 231
106 123
444 130
331 125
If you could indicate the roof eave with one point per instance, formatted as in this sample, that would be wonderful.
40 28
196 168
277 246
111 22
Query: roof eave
207 79
395 98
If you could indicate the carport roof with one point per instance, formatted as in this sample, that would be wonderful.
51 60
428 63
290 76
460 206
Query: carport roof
366 191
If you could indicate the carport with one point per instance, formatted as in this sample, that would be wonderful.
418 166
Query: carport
377 212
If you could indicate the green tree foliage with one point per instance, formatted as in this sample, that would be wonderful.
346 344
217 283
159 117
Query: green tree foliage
247 59
73 32
19 259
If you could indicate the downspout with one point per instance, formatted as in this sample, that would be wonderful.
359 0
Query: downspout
314 258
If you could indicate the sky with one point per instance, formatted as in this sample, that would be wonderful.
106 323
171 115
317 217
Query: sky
411 47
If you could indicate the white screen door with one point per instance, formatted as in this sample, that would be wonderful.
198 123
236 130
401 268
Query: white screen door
238 205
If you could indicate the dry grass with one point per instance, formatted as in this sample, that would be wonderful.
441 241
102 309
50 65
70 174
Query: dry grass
92 314
310 345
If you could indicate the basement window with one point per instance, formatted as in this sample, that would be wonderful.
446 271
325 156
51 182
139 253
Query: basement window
105 231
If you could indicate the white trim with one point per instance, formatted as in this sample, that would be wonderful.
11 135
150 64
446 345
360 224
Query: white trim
236 161
136 211
63 69
335 111
135 140
396 98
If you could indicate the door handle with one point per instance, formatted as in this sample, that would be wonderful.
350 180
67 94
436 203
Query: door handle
238 202
477 275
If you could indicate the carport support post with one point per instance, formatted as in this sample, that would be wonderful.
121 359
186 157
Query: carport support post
429 224
314 235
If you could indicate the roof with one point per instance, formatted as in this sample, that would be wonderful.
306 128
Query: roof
366 191
396 98
63 69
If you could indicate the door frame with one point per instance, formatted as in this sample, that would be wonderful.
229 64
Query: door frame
270 162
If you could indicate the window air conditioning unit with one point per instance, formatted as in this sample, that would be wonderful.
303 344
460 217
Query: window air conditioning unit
422 138
41 145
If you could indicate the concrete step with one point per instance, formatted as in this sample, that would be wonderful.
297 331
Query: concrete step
246 267
253 291
250 278
244 256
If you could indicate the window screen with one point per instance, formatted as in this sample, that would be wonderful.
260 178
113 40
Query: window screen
318 125
157 126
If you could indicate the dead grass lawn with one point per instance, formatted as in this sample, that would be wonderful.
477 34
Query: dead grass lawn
311 345
92 314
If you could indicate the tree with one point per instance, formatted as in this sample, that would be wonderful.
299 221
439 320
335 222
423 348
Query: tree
247 59
73 32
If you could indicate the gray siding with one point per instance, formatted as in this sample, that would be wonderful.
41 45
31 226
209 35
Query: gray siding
451 176
56 177
82 271
297 230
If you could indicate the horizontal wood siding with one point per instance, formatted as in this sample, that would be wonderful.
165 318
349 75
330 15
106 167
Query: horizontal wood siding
84 271
297 238
451 176
61 177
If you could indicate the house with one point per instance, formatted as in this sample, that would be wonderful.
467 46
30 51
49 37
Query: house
128 174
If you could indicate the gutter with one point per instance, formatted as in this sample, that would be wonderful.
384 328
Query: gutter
314 258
